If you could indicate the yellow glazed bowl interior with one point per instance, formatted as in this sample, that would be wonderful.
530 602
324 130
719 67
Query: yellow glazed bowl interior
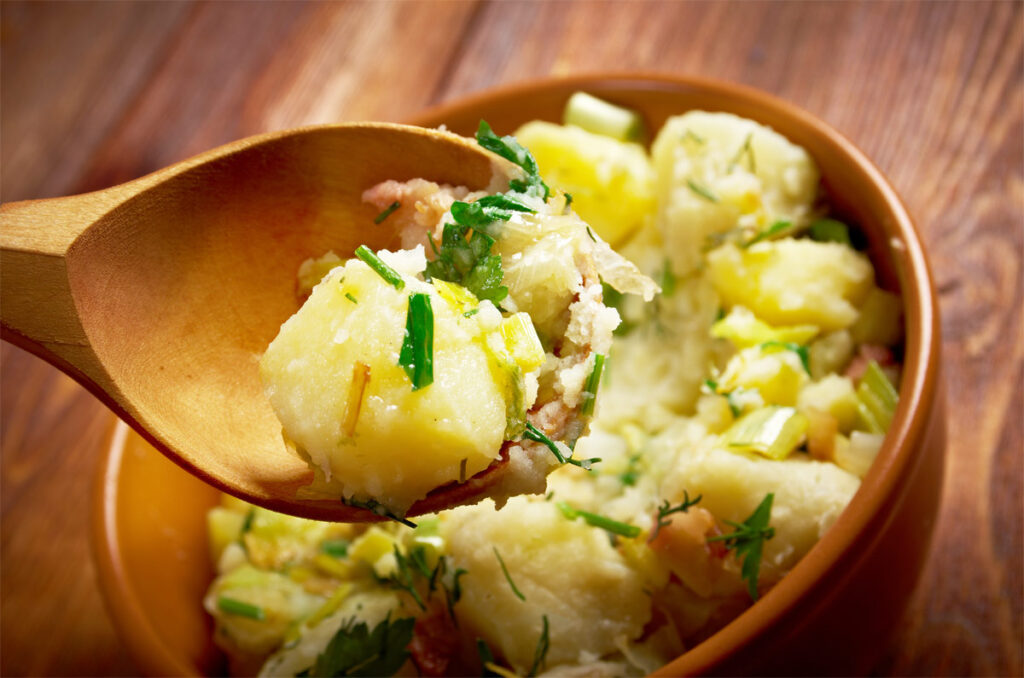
832 614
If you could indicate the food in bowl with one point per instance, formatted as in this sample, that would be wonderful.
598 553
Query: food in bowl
399 375
739 410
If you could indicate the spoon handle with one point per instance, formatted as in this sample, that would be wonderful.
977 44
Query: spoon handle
38 311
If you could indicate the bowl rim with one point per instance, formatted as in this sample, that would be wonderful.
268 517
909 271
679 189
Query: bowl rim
896 459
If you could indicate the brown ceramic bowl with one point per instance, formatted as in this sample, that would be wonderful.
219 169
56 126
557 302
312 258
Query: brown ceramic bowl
832 614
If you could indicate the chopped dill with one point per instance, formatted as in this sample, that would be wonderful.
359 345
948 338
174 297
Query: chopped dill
508 577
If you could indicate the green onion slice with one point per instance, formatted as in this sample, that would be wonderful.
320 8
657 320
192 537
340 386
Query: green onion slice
590 389
597 520
387 212
601 117
773 432
240 609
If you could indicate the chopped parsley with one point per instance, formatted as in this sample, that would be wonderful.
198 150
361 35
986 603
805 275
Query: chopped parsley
510 149
387 212
468 261
746 541
590 388
666 509
240 608
702 191
417 354
390 275
597 520
355 650
508 577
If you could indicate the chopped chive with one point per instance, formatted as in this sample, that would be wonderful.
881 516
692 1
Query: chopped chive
240 609
568 198
690 134
508 577
745 149
591 234
348 295
596 520
335 547
383 270
541 652
387 212
417 355
470 313
590 389
701 190
769 232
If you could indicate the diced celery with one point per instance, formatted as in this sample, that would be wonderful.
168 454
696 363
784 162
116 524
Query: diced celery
878 399
600 117
858 453
773 432
744 330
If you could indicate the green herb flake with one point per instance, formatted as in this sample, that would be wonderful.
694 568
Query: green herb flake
590 389
830 230
390 275
239 608
597 520
348 295
666 509
356 651
568 199
769 233
417 355
802 351
541 652
667 280
535 434
387 212
701 191
747 150
335 547
591 234
510 149
690 134
508 577
747 541
466 260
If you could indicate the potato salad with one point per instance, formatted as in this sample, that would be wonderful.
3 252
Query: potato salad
743 395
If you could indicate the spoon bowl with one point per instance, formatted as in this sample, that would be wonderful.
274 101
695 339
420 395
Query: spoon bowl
159 295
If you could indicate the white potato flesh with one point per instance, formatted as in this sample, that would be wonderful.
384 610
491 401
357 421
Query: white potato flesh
565 569
404 442
716 172
793 282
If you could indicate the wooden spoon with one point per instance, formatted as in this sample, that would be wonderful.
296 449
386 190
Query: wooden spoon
159 295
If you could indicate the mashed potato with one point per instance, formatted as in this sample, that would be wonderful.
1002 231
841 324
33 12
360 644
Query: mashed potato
739 409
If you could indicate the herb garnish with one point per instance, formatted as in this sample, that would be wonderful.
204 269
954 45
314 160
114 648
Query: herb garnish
541 652
829 230
597 520
387 212
356 651
768 233
590 388
632 472
735 406
510 149
417 355
348 295
701 191
536 435
748 150
666 509
801 351
747 541
468 262
335 547
380 268
240 608
508 577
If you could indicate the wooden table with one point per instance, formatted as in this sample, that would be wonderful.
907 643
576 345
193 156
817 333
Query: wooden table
96 94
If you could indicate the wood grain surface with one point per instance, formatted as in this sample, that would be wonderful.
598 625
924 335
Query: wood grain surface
92 94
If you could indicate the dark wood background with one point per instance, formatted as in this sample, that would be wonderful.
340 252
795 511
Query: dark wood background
95 94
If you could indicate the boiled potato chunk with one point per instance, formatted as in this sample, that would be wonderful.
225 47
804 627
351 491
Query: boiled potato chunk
565 569
333 378
611 181
717 172
793 282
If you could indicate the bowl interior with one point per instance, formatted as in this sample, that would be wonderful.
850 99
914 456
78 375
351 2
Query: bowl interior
150 515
